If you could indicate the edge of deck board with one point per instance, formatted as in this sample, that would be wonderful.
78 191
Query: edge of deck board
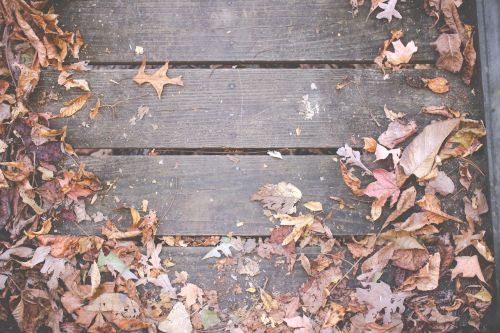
240 31
248 108
210 195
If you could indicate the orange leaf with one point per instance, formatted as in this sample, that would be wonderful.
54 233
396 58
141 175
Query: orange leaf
158 79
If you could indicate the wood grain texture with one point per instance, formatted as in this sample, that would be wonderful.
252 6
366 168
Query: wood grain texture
239 30
248 108
210 195
205 275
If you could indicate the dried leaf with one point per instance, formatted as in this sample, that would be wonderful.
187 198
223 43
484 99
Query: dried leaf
396 133
389 11
465 141
448 47
439 85
275 154
402 54
314 292
280 198
391 115
73 106
192 293
158 79
178 320
95 110
314 206
95 278
383 188
224 247
427 277
351 156
468 267
406 201
418 157
441 111
350 180
469 55
442 184
380 297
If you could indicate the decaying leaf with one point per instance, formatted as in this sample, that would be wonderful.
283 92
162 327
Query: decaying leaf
465 140
469 55
439 85
402 54
95 110
445 111
427 277
178 320
280 198
405 202
314 292
192 293
383 188
391 115
351 156
418 157
468 267
73 106
396 133
158 79
380 297
442 184
350 180
450 56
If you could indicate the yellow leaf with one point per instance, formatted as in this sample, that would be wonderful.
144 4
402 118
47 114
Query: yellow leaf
251 290
135 216
314 206
158 79
94 111
73 106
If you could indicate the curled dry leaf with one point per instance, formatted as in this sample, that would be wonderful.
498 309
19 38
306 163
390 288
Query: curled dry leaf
350 180
439 85
427 277
280 198
469 55
442 110
391 115
465 141
406 201
442 184
351 156
95 110
468 267
418 157
68 82
158 79
73 106
396 133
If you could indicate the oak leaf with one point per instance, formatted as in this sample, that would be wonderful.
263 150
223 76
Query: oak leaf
389 10
280 198
351 156
158 79
193 294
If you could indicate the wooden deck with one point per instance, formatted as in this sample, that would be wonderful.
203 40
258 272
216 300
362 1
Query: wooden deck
242 112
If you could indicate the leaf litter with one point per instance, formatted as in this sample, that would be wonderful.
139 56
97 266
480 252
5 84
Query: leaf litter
93 283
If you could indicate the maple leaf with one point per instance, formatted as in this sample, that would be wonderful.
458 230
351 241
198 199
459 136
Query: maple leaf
158 79
351 156
468 267
383 188
402 54
389 10
396 133
418 157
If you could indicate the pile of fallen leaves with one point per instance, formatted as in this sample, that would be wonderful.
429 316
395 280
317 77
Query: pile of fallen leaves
426 270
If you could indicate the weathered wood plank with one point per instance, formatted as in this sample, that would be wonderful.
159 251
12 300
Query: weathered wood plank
488 13
210 195
248 108
239 31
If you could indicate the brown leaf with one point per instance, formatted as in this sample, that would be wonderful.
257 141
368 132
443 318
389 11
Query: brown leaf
68 82
465 176
439 85
350 180
465 141
314 292
452 19
467 238
95 110
431 204
469 55
73 106
448 47
445 111
363 247
95 278
391 115
406 201
418 157
378 260
383 188
441 184
280 198
427 277
396 133
468 267
334 314
33 39
192 293
158 79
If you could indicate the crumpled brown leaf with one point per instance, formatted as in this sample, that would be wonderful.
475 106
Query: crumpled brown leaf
439 85
450 56
427 277
396 133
